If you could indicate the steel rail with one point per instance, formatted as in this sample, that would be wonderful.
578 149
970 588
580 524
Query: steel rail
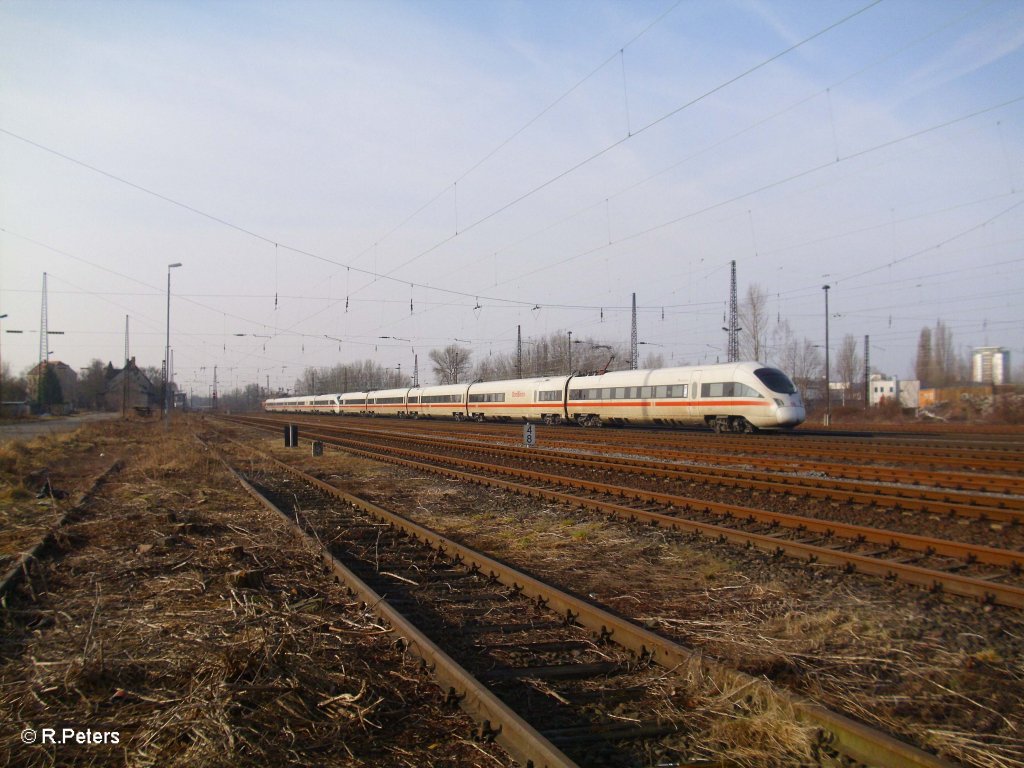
718 454
514 734
1005 558
954 583
968 553
17 572
956 480
837 732
945 502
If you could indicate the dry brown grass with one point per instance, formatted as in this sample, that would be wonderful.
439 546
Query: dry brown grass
142 627
943 674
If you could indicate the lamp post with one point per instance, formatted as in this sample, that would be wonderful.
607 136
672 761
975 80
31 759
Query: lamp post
828 392
2 368
167 346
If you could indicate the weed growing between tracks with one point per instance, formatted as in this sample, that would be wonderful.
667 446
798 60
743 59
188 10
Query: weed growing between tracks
944 673
181 615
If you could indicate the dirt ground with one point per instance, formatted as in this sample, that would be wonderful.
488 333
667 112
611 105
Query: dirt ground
943 673
180 624
181 616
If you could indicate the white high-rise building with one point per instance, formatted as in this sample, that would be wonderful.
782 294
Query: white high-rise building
990 365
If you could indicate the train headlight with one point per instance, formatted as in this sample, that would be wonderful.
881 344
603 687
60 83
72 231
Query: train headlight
779 402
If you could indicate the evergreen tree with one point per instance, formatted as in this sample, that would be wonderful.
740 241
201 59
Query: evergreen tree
49 388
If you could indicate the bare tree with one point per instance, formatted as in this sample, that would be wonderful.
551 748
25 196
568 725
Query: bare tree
923 364
943 357
654 360
754 324
359 376
801 359
13 387
549 356
937 364
92 385
450 364
848 365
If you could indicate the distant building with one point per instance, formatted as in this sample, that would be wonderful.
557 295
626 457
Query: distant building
66 375
15 409
990 365
906 393
129 388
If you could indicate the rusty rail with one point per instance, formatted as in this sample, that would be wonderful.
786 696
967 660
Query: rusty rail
845 736
954 583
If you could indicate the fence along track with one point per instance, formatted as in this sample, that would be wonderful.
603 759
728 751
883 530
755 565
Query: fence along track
838 734
982 588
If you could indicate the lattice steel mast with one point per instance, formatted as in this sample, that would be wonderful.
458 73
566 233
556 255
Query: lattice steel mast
634 347
733 347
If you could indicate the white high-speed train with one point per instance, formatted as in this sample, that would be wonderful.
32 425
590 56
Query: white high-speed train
729 397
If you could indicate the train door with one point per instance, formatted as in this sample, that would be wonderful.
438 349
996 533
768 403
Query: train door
695 411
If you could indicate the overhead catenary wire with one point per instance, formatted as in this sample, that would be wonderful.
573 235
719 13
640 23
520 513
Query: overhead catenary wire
389 276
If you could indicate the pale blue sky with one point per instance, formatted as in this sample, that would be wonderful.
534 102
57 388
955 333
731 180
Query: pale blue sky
504 155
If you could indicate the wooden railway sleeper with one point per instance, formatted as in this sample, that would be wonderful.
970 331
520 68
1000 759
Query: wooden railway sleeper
486 734
853 735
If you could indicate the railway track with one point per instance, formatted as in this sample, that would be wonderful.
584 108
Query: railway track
946 502
879 464
22 567
963 569
555 679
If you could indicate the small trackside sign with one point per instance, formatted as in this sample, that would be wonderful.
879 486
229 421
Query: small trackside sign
529 435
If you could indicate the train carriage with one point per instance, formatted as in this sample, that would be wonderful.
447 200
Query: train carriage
352 403
539 399
304 404
625 397
735 397
388 402
445 401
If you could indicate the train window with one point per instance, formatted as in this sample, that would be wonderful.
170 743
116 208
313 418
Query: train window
414 399
742 390
487 397
442 399
646 392
551 395
728 389
775 380
620 393
673 390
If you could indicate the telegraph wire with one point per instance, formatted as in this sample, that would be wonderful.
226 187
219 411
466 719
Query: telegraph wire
501 209
757 124
572 169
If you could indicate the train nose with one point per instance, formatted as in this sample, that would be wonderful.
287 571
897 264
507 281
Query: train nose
791 415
